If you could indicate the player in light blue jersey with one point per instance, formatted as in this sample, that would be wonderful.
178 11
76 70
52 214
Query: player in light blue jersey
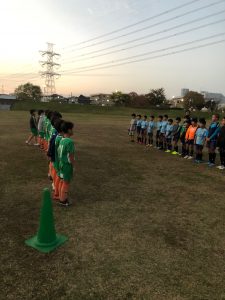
150 130
158 129
138 128
169 135
200 138
144 125
163 133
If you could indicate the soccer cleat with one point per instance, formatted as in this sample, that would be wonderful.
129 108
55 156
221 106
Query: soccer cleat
190 157
186 156
36 144
221 167
65 203
211 165
167 151
174 153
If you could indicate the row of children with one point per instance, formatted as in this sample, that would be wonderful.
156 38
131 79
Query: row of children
53 135
191 134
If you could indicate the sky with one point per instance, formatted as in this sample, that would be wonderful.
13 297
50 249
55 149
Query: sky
181 44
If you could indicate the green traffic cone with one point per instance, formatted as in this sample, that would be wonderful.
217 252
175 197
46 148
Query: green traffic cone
46 239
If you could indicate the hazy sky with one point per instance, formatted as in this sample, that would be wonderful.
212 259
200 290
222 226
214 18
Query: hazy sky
26 26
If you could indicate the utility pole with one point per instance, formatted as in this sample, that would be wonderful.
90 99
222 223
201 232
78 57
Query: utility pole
49 74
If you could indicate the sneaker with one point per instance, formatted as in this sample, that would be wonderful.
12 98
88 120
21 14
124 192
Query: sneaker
150 145
197 161
174 153
211 165
186 156
190 157
167 151
36 144
221 167
64 203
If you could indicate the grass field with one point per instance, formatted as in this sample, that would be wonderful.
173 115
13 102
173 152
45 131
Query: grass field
144 224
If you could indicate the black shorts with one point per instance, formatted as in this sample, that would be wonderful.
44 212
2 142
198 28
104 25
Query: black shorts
157 134
190 142
150 134
138 129
143 131
199 147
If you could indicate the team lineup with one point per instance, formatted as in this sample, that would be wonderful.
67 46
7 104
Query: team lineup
53 136
186 138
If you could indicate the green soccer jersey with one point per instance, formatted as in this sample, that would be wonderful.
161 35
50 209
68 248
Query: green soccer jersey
48 129
65 149
56 162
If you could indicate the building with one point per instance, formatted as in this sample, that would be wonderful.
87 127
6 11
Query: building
184 92
101 99
176 102
217 97
6 101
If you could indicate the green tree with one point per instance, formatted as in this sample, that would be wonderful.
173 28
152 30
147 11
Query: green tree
28 91
156 96
120 99
194 100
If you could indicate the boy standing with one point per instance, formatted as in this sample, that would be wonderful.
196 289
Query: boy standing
33 128
168 135
139 129
163 133
144 125
150 130
183 131
190 138
132 127
176 135
200 137
66 154
221 144
158 129
41 128
214 129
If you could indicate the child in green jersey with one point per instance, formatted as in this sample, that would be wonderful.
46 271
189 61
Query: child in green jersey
66 155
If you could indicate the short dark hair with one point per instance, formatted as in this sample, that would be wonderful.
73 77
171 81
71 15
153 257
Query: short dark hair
32 111
165 116
58 124
66 126
139 116
202 121
194 120
170 120
49 114
133 115
153 117
160 117
178 119
145 117
40 111
57 114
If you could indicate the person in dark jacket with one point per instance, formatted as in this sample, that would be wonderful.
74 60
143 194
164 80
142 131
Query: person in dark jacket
213 132
33 128
221 144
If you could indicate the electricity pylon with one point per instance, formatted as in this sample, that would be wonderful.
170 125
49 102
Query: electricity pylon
49 74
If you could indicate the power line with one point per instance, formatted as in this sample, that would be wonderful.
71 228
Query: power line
142 38
153 57
151 52
161 38
151 26
136 23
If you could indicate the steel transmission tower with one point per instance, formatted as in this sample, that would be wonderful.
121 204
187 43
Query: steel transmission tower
49 74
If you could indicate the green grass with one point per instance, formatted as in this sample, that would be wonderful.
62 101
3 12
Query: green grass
144 224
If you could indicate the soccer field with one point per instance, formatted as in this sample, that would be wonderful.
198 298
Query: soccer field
144 224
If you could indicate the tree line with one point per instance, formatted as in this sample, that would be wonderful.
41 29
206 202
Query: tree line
155 97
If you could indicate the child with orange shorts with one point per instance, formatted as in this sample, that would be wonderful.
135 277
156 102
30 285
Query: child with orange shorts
66 154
